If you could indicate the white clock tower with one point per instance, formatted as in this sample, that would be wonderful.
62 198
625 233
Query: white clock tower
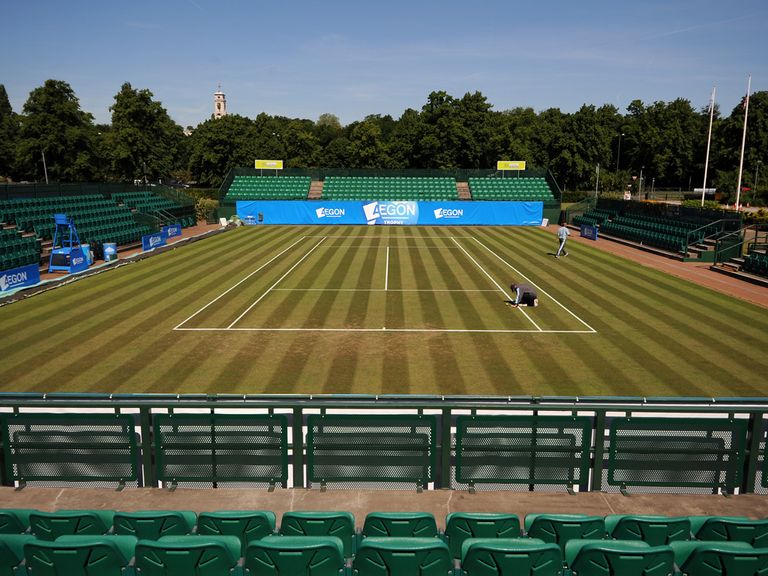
219 103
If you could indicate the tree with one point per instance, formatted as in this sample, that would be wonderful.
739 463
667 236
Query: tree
54 125
9 134
218 145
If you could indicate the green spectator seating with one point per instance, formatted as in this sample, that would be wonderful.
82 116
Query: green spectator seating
251 187
560 528
295 555
654 530
400 524
510 557
339 524
187 556
730 528
247 525
17 250
594 217
525 189
153 524
719 558
14 520
51 525
402 556
614 557
392 188
12 553
756 262
459 526
144 201
80 556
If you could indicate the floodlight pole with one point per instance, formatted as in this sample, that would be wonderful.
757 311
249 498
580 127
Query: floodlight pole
618 152
45 168
597 179
743 143
709 140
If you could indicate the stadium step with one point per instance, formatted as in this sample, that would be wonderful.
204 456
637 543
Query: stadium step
462 189
315 190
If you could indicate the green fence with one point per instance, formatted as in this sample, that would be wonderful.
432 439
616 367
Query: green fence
609 444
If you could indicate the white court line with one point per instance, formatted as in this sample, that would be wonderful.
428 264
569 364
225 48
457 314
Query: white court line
591 330
236 320
241 281
510 299
386 272
366 237
383 290
379 330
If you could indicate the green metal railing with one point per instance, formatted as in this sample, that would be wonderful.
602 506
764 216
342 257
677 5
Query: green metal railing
593 443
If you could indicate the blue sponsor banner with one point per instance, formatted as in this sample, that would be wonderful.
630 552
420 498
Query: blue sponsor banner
402 213
77 260
152 241
172 230
19 277
588 231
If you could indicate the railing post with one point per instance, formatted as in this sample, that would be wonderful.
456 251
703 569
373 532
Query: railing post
445 450
298 448
754 435
147 460
599 454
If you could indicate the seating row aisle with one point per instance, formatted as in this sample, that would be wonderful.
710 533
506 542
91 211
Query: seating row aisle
181 543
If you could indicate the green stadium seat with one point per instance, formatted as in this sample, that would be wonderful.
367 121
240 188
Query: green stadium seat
51 525
402 557
80 556
246 525
14 520
188 556
730 528
153 524
400 524
655 530
460 526
295 555
339 524
510 557
12 553
698 558
561 528
618 557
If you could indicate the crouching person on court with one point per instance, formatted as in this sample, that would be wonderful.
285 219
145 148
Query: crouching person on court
524 295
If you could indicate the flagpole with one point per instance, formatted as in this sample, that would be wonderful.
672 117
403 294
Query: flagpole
743 143
709 140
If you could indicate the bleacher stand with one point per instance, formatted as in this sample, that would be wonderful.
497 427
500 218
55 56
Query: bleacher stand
524 189
392 188
252 187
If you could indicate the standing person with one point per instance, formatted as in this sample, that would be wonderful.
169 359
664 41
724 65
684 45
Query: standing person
524 294
562 235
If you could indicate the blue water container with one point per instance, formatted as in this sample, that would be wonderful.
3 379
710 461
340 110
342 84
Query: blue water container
110 251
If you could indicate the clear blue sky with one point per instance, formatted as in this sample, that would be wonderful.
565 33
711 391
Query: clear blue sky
355 58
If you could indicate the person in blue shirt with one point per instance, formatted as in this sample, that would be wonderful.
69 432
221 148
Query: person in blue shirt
562 235
524 294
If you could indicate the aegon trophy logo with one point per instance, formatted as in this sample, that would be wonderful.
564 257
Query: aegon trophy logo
391 213
330 212
448 213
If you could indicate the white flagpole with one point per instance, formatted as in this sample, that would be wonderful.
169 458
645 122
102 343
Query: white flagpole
709 139
743 143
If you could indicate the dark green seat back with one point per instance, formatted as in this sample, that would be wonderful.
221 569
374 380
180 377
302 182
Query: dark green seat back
14 520
400 524
247 525
187 556
295 555
614 557
462 525
510 557
51 525
339 524
153 524
560 528
80 556
699 558
12 551
731 528
655 530
378 556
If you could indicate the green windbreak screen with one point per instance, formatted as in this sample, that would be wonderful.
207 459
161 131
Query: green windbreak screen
222 448
522 449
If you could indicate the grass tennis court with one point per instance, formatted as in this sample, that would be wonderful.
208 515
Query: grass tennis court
379 310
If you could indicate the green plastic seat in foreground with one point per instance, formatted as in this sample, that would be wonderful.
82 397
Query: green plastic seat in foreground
730 528
12 552
510 557
699 558
295 555
462 525
402 556
80 555
560 528
14 520
153 524
400 524
655 530
51 525
339 524
613 557
187 556
247 525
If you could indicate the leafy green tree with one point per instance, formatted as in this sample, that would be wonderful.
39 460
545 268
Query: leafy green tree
217 145
54 125
9 134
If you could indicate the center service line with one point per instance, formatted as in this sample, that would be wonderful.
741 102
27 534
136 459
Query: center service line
386 272
236 320
497 284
